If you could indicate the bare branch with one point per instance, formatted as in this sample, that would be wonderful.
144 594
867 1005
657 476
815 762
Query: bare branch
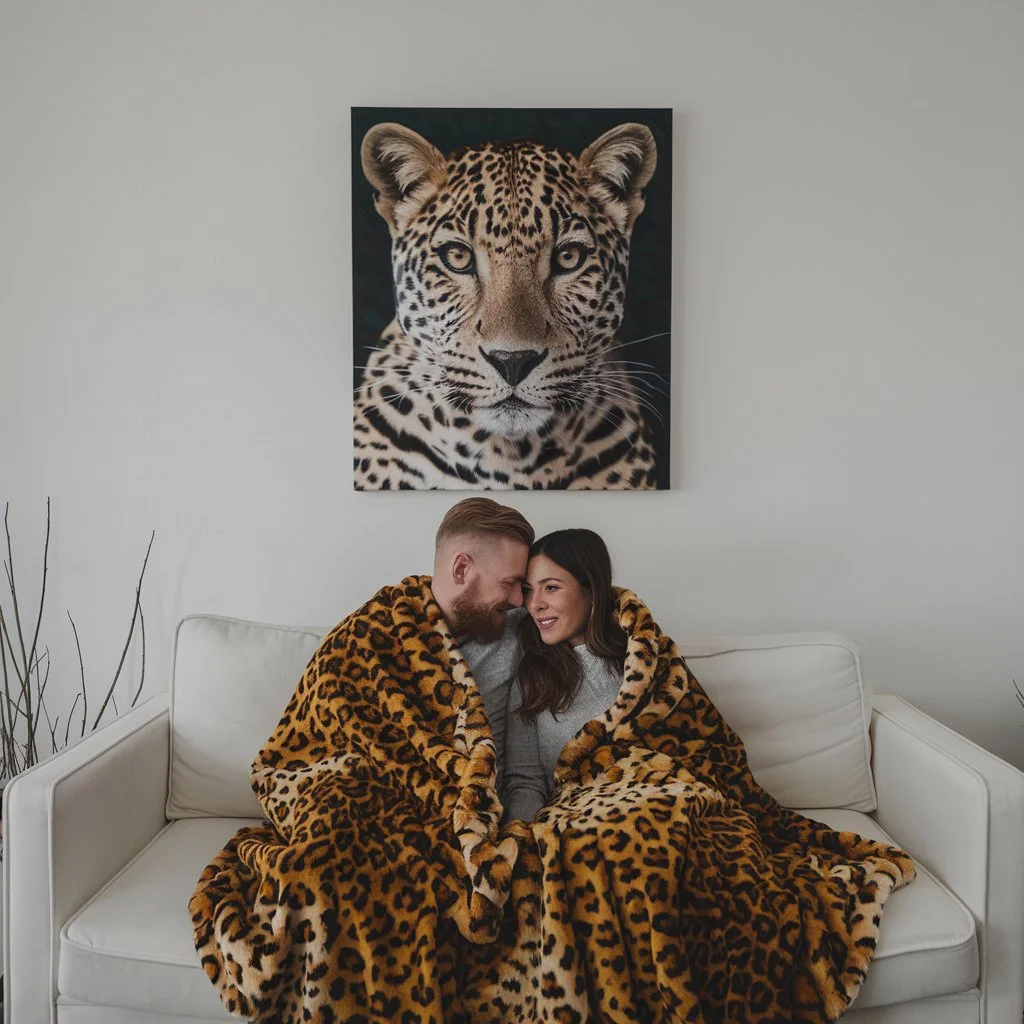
19 670
52 726
44 656
6 718
25 674
9 567
42 589
142 673
131 631
81 668
23 707
67 729
40 702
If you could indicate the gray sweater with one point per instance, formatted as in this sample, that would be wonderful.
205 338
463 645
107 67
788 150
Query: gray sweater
532 748
494 667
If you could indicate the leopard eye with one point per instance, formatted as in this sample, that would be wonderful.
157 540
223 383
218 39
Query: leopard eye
457 257
568 258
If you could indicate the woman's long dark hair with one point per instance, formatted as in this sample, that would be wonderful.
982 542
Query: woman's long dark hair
550 676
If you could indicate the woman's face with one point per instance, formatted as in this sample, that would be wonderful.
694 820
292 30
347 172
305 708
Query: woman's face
557 602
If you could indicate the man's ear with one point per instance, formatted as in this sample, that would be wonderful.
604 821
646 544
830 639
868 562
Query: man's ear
462 566
617 168
404 169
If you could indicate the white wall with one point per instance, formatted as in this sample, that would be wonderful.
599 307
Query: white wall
175 315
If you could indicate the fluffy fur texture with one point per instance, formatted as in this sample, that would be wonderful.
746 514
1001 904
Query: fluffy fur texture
660 884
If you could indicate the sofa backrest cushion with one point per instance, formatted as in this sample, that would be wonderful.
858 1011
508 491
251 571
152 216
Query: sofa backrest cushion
798 701
803 709
230 683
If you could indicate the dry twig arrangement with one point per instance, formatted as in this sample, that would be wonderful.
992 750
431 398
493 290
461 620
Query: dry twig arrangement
27 732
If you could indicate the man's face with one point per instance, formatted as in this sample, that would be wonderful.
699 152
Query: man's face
493 587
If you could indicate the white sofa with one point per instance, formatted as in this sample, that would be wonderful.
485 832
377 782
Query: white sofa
104 841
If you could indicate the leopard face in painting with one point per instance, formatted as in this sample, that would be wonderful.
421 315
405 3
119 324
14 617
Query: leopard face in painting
509 267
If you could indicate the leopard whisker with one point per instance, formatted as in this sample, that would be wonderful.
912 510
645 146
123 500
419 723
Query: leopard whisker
638 341
406 386
629 362
650 386
459 401
641 378
606 369
625 436
604 389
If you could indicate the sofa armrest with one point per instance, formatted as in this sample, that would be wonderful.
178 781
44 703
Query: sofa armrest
960 811
70 824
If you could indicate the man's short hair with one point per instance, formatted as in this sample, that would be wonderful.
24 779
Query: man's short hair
483 516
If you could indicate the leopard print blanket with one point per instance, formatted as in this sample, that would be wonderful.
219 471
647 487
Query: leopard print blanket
660 884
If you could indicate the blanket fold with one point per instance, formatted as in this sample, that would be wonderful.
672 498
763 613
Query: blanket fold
659 884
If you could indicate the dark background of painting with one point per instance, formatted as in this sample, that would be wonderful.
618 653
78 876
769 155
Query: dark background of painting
648 296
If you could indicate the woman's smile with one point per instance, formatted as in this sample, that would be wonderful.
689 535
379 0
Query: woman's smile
555 599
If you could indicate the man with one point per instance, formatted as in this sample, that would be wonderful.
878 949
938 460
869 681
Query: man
382 844
479 563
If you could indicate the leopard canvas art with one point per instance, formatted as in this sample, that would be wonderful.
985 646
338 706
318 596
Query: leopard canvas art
511 298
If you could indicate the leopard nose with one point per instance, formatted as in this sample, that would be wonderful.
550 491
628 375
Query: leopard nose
514 364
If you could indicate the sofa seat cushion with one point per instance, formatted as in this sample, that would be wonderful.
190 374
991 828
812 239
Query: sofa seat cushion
131 944
927 944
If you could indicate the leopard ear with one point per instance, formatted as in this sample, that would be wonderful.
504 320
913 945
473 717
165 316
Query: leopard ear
404 169
618 167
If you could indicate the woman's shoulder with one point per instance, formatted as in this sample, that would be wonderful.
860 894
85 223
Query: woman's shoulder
594 667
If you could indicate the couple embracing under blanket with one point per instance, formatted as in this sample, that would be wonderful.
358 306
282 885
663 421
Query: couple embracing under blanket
484 815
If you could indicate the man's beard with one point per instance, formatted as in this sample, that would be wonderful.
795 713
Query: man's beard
482 623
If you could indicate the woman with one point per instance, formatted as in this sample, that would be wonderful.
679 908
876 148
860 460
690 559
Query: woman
571 665
657 849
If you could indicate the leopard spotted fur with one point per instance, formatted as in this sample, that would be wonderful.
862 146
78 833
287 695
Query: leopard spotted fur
509 266
661 883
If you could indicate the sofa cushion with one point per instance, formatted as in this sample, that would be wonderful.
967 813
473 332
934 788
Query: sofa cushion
799 701
131 945
802 708
927 943
230 682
